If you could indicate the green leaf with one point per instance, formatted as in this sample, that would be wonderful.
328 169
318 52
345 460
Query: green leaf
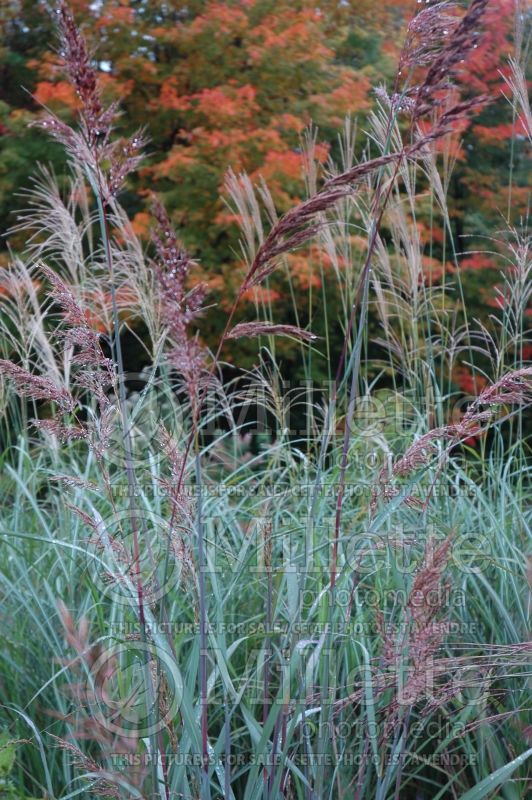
8 750
494 780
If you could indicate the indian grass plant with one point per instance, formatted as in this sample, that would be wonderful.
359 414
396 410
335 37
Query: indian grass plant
249 587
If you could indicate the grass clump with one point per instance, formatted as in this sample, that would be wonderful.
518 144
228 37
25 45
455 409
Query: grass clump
244 588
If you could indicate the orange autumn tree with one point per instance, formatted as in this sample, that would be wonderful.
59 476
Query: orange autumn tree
219 84
490 190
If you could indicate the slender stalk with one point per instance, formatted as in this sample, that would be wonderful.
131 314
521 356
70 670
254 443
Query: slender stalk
130 472
204 709
267 644
401 764
361 300
227 746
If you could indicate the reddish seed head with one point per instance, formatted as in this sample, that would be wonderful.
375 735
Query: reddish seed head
83 75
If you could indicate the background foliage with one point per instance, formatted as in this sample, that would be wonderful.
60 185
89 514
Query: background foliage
234 84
